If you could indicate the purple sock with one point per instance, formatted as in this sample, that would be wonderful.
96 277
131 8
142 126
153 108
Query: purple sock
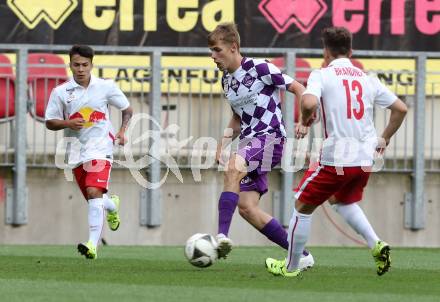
276 233
226 208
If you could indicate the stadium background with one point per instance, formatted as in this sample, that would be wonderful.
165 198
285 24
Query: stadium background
399 42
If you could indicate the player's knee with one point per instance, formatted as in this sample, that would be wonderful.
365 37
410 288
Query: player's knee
95 207
93 192
246 211
304 208
232 174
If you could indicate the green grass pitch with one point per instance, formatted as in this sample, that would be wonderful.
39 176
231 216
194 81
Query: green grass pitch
58 273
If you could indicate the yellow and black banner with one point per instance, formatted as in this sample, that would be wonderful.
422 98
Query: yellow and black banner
378 25
191 74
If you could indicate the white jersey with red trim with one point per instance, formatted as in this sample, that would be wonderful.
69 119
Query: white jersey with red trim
347 96
71 100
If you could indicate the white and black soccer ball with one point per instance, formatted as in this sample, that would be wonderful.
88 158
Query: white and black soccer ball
201 250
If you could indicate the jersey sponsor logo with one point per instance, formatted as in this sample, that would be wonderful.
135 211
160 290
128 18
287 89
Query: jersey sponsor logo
101 180
244 100
90 115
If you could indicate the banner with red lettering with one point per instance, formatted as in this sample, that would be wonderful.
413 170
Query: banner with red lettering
375 24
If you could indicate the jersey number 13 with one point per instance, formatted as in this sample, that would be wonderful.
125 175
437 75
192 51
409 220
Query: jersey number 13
356 87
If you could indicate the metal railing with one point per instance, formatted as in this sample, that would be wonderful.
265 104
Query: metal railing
189 95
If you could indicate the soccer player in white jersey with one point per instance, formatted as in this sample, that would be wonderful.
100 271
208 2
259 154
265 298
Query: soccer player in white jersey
252 88
80 106
345 96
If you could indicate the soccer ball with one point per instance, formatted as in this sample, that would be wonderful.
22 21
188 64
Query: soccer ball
201 250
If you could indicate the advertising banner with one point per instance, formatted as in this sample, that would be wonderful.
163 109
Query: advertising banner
196 74
375 24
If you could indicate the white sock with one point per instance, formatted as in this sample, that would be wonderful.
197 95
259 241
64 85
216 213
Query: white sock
109 205
96 219
355 217
299 228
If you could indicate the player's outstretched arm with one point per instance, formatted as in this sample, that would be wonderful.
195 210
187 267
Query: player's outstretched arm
398 112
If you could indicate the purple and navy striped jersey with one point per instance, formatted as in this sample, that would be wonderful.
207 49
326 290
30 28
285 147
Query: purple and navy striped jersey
253 91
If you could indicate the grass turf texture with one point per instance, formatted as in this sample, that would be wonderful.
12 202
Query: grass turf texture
58 273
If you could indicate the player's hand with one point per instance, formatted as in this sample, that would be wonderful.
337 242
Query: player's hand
301 131
121 138
382 143
222 155
76 123
312 119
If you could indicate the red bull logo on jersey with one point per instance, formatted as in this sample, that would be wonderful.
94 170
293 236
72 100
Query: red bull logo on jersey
90 115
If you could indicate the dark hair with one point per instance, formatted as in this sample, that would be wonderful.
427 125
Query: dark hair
337 40
226 32
82 50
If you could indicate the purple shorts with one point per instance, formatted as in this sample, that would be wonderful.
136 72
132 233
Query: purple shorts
261 153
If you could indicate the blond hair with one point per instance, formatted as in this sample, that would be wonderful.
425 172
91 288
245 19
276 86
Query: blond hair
226 32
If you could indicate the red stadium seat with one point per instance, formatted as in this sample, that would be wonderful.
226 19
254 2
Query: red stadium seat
42 79
7 89
303 70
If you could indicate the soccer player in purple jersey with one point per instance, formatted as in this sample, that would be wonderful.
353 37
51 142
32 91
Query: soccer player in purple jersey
252 88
